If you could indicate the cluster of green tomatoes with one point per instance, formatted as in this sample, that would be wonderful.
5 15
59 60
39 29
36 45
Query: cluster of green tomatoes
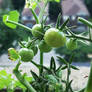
48 39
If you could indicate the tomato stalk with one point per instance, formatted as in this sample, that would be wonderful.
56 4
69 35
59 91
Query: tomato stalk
41 62
20 25
79 37
68 77
35 16
21 78
89 84
85 21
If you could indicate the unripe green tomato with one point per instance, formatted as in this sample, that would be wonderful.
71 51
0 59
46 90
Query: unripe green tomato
71 44
44 47
37 31
26 54
35 49
54 38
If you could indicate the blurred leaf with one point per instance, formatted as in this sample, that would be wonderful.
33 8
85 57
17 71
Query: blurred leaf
74 67
62 60
13 16
64 24
13 55
59 72
58 21
51 79
71 58
52 64
64 67
35 76
6 80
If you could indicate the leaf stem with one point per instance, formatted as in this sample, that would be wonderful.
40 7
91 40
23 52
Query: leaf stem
79 37
35 16
20 25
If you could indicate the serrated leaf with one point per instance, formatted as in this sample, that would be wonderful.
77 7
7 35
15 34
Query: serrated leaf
13 16
74 67
52 64
13 55
62 60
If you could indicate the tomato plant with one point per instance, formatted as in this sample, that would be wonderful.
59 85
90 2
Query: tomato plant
46 37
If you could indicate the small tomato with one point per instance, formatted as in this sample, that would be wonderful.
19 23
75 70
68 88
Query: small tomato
37 31
71 44
26 54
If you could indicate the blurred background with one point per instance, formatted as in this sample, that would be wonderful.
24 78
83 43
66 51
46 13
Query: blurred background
68 8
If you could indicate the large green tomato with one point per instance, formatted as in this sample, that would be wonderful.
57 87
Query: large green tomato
37 31
44 47
26 54
71 44
54 38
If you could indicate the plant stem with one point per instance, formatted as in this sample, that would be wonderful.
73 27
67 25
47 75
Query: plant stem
79 37
22 79
41 62
35 16
68 75
20 25
89 83
42 11
84 21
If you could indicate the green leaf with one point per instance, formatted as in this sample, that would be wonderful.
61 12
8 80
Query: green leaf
57 0
74 67
13 55
52 64
59 72
35 76
5 80
13 16
71 58
64 24
64 67
62 60
58 21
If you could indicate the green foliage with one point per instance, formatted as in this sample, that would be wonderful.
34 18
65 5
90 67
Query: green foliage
6 81
13 55
13 16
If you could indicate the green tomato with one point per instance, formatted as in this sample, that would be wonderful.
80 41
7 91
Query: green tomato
26 54
71 44
44 47
54 38
35 49
37 31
